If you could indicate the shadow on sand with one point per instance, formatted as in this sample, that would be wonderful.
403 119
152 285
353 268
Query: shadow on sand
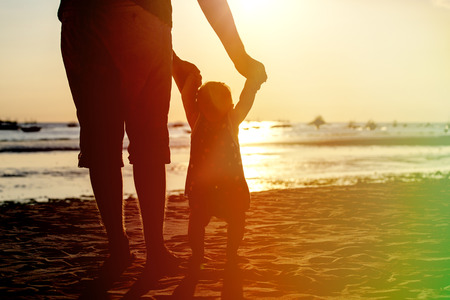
231 277
232 287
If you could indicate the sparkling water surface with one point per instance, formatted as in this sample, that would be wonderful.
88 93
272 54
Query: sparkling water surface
275 155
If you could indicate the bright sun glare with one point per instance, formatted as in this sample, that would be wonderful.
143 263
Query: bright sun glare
250 7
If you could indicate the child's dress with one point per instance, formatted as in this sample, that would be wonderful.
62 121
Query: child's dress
215 182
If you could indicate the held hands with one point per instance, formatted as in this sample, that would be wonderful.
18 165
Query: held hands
257 78
251 69
191 85
252 85
182 70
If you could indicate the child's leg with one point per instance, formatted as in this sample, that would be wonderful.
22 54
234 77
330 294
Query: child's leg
235 232
196 233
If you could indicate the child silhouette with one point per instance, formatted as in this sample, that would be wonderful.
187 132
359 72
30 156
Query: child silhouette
215 183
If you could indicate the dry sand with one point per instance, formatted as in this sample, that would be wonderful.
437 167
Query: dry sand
370 240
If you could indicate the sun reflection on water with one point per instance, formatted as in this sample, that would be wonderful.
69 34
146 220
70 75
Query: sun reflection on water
253 132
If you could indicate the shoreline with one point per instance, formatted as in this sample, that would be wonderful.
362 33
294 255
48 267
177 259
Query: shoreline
77 186
378 240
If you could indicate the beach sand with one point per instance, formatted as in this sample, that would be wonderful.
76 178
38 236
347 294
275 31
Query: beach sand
386 240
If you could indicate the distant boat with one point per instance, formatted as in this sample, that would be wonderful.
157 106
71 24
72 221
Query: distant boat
352 125
318 121
72 124
30 128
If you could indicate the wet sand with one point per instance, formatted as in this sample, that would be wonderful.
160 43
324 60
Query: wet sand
386 240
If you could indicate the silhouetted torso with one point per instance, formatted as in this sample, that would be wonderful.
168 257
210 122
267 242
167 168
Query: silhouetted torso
160 8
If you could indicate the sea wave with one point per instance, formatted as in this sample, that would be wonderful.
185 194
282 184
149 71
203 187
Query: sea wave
39 146
54 137
46 145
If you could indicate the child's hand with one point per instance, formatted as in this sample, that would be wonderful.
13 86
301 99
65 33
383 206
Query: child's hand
253 85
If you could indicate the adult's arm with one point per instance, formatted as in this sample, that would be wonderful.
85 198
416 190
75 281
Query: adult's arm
219 16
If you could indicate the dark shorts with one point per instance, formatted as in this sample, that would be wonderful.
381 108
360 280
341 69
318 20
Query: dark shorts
118 61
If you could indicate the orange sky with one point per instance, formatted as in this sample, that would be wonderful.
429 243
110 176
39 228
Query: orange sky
344 59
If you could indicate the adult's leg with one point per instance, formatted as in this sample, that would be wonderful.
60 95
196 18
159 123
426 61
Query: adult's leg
94 81
150 182
107 186
143 51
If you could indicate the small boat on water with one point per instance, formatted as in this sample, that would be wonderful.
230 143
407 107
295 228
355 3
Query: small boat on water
30 128
371 125
280 126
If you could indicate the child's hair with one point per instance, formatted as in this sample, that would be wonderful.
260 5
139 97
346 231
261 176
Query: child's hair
214 100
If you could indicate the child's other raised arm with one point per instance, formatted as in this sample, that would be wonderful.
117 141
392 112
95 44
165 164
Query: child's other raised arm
246 100
188 79
189 97
181 69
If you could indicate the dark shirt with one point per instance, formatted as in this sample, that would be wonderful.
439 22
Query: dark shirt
215 180
160 8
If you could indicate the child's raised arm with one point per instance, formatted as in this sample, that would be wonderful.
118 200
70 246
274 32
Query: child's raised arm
246 100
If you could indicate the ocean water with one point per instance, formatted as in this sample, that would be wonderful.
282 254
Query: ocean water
43 165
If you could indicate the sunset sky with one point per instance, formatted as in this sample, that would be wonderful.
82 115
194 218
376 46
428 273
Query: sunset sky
343 59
